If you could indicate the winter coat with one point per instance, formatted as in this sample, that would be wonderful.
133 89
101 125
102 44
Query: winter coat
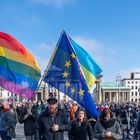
81 132
138 124
30 123
9 123
46 121
112 125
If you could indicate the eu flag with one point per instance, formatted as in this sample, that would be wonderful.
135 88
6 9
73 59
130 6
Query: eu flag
73 71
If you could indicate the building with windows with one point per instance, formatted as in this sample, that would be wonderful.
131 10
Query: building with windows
43 93
133 82
114 93
111 92
7 95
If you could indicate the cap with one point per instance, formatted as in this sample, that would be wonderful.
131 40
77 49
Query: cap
52 100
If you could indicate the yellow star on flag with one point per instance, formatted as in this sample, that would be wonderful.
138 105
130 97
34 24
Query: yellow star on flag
81 92
67 64
72 90
65 74
73 55
67 84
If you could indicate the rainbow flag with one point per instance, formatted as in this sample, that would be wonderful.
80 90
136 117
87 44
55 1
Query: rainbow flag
19 71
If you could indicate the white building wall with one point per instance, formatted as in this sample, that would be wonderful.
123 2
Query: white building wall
134 84
6 95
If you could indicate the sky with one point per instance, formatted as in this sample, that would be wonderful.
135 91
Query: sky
109 30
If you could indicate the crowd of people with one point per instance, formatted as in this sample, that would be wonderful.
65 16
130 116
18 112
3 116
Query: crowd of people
48 121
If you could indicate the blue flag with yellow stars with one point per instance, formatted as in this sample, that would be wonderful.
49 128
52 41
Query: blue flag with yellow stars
73 71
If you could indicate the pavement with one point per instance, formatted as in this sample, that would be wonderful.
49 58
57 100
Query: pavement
20 133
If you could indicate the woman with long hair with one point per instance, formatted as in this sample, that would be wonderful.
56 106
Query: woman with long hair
80 128
107 128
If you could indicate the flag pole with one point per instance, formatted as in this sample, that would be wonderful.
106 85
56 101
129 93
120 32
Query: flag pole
46 70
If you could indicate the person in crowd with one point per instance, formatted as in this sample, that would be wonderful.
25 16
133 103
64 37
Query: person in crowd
107 128
137 130
92 122
80 128
39 107
21 110
124 120
67 111
73 110
13 111
2 134
9 122
29 119
52 122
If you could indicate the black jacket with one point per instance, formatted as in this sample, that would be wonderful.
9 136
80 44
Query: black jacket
80 132
45 123
30 123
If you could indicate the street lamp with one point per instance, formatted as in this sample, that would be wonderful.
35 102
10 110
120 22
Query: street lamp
118 80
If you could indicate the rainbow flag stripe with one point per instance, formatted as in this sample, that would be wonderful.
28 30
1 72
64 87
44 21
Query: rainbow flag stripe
19 71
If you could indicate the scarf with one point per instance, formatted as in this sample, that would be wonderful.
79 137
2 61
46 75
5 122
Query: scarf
52 113
107 124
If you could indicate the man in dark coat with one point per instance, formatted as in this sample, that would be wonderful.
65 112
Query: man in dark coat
29 118
52 122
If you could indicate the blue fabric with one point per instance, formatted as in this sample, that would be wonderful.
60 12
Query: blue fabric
75 78
18 78
4 136
1 122
87 61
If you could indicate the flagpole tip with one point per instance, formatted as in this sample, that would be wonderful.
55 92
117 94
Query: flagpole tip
63 32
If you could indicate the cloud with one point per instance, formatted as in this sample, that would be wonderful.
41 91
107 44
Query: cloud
42 53
98 50
33 18
92 46
89 43
21 14
55 3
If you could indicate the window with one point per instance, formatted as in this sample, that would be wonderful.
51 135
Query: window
135 100
132 93
132 87
8 93
136 87
136 82
128 82
132 100
135 93
132 82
